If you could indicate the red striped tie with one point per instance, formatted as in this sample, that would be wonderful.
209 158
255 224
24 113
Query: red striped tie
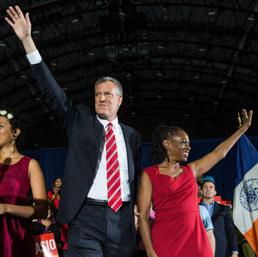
113 171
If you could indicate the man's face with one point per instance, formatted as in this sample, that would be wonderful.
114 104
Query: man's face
208 190
107 100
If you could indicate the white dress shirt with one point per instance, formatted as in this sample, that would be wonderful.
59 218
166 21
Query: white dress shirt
34 57
99 188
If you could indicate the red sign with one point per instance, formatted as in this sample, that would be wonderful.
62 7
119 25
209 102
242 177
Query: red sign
46 245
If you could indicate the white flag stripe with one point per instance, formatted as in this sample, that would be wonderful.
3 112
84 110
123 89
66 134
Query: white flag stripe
243 218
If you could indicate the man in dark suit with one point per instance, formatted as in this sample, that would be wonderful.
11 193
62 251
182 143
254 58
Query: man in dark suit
98 192
224 230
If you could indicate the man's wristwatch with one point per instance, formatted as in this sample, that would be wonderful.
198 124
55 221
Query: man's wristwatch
235 252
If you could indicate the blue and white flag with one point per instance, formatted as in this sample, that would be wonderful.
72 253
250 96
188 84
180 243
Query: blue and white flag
245 204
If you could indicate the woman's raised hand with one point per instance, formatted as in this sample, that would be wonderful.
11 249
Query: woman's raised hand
245 120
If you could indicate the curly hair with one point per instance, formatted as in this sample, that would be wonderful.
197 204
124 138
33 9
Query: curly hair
161 133
18 122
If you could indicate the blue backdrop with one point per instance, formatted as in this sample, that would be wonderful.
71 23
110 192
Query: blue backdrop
52 162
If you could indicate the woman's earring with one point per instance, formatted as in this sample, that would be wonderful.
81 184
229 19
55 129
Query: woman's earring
13 144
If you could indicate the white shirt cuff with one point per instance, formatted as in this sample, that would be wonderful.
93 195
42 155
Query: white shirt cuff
34 57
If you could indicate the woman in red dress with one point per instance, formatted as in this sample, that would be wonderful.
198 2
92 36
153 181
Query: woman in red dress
19 175
54 194
178 230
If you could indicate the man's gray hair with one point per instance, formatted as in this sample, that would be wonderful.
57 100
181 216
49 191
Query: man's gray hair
119 87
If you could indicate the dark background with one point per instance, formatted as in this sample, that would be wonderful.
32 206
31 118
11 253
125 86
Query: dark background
188 63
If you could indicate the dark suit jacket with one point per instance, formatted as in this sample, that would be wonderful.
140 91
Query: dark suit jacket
224 231
86 141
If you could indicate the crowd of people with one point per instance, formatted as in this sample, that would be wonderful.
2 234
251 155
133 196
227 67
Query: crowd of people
100 183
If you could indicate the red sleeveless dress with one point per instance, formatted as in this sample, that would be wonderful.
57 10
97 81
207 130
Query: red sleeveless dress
178 230
16 236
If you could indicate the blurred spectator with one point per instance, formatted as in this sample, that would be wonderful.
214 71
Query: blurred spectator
63 238
48 225
224 230
54 194
58 183
206 219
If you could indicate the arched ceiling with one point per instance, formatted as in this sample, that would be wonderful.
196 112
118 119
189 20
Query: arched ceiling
188 63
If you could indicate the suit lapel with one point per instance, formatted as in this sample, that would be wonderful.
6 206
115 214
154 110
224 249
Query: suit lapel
130 162
100 141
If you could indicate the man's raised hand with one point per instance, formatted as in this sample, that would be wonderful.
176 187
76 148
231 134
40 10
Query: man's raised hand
19 22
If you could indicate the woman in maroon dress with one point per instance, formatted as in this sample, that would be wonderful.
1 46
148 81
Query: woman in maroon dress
19 175
178 230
